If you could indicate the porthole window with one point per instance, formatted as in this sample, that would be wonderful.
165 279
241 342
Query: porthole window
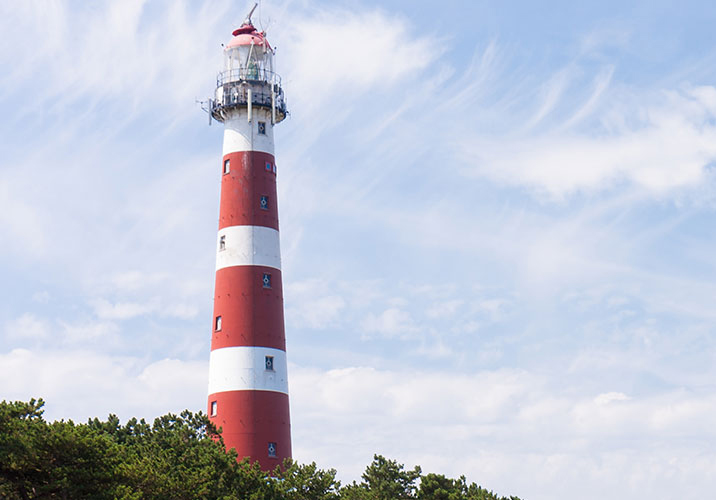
269 363
262 128
266 280
222 243
227 166
264 202
272 450
213 408
217 324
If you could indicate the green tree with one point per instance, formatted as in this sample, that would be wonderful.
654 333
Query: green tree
58 460
383 479
439 487
306 482
179 457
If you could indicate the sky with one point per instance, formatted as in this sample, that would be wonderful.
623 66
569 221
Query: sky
497 229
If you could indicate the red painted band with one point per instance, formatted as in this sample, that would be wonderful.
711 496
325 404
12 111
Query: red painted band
250 420
244 186
251 315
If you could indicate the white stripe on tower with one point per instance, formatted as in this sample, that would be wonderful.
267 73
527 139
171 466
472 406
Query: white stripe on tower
243 369
248 246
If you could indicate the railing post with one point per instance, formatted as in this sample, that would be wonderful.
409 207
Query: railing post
248 114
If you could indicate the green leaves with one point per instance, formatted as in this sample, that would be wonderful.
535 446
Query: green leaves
179 457
57 460
384 479
306 482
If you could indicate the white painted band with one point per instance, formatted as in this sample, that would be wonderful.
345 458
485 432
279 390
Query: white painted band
248 246
240 134
244 369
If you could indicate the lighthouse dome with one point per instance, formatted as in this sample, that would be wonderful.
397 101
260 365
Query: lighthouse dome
247 34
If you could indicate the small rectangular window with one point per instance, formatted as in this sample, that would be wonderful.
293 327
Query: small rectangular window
269 363
264 203
272 450
222 243
213 408
268 166
266 280
227 166
217 324
262 128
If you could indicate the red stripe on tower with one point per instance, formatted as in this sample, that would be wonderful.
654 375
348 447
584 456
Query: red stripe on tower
248 384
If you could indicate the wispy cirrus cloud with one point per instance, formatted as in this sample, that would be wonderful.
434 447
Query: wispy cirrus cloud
658 146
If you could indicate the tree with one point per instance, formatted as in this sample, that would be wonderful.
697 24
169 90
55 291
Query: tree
179 457
306 482
439 487
57 460
383 479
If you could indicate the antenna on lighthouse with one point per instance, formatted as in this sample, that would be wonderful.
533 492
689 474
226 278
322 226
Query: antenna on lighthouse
248 18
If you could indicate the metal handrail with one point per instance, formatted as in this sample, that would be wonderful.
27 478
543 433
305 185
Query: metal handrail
236 94
247 75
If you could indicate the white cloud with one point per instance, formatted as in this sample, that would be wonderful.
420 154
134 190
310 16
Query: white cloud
658 147
115 52
489 424
392 322
132 281
444 309
350 51
42 297
122 310
80 384
313 303
80 332
609 397
27 327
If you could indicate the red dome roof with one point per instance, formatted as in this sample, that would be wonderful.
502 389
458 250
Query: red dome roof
248 35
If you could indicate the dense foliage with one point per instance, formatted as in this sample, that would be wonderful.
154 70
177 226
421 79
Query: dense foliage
179 457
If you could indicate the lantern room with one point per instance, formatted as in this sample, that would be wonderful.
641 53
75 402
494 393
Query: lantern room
248 56
248 79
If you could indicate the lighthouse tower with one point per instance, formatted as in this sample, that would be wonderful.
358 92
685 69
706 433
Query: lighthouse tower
248 386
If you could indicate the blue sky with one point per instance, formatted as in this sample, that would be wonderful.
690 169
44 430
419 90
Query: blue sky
496 226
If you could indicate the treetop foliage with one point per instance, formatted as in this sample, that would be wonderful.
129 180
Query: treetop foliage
179 457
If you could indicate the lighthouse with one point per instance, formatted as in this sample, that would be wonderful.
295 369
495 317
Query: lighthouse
248 384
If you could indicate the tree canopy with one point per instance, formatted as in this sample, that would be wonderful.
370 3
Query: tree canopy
180 457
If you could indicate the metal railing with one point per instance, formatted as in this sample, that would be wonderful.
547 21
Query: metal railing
236 93
247 75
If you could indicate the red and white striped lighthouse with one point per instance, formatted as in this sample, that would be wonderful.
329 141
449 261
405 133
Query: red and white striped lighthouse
248 385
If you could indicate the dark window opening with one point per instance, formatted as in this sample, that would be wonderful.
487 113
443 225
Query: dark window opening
267 280
213 408
264 203
262 128
269 363
227 166
222 243
217 324
272 450
268 166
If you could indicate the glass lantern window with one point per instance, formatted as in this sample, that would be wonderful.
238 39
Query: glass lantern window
248 60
